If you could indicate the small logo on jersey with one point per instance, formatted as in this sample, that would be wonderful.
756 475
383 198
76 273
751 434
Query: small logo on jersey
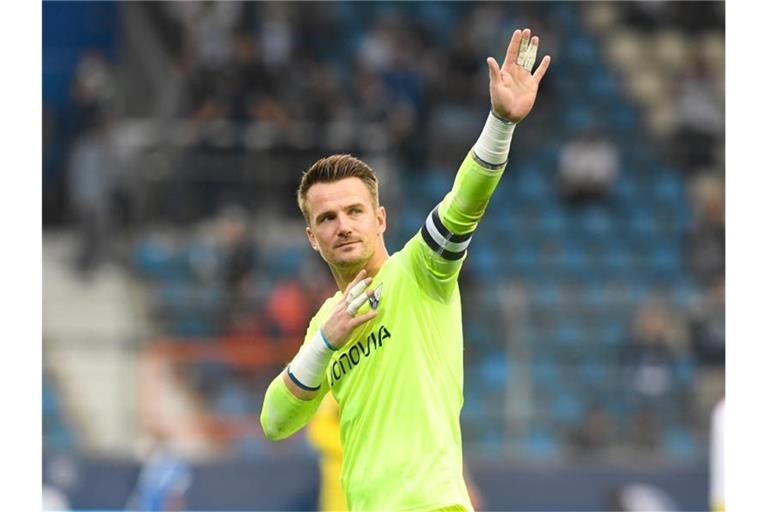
374 299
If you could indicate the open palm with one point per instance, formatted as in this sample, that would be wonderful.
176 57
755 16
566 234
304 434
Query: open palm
513 87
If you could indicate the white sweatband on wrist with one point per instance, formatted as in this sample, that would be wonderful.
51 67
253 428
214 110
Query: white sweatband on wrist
492 147
307 369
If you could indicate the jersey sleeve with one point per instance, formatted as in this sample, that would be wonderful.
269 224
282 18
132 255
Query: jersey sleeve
436 254
283 413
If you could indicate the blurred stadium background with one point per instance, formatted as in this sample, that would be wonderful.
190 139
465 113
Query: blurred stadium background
177 280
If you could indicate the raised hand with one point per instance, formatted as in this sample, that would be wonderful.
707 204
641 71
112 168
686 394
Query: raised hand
342 320
513 87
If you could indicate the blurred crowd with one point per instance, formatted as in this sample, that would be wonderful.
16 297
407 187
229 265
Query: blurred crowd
404 85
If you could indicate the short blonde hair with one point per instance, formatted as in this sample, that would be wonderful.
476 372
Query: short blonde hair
334 168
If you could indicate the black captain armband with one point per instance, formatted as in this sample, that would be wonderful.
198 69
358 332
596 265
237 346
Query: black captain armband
446 244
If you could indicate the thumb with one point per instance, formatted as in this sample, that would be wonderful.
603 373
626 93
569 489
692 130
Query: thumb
493 70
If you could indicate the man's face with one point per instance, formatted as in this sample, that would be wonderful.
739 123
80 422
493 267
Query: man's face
344 224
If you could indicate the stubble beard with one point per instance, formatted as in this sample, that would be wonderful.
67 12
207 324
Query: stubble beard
348 263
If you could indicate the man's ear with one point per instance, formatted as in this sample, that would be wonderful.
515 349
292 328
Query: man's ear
381 219
312 239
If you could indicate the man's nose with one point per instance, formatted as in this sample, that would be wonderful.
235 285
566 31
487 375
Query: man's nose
343 226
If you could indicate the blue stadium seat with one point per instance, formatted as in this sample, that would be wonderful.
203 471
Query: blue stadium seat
578 117
596 223
436 185
574 261
483 261
56 434
624 121
683 372
201 260
158 260
194 326
626 188
566 16
593 372
612 332
491 437
495 371
532 183
593 295
552 222
582 54
545 374
683 293
569 334
679 443
605 87
211 372
617 260
541 444
666 260
286 262
522 259
546 295
641 224
231 400
568 407
668 187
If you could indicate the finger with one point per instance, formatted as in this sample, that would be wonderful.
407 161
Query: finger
512 49
530 55
358 320
357 278
493 70
357 289
356 303
539 73
523 46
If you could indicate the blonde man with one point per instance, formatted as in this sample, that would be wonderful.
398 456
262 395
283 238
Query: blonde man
388 345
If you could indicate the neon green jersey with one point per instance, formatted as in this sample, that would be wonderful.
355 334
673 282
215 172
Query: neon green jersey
399 380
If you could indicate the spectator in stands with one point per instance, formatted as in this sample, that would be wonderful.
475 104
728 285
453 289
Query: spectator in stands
706 241
707 322
649 356
647 16
209 29
277 34
251 76
93 89
92 174
643 434
596 434
700 112
287 309
237 264
636 497
164 479
589 165
325 100
377 49
237 247
54 499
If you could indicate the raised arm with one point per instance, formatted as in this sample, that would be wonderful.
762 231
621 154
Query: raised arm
449 227
513 92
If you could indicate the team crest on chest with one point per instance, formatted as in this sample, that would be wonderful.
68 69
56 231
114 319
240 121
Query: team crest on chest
374 299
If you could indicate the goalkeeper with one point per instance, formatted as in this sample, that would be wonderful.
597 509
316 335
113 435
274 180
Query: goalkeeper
389 343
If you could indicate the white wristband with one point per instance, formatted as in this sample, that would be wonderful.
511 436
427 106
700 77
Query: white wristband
492 147
307 369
